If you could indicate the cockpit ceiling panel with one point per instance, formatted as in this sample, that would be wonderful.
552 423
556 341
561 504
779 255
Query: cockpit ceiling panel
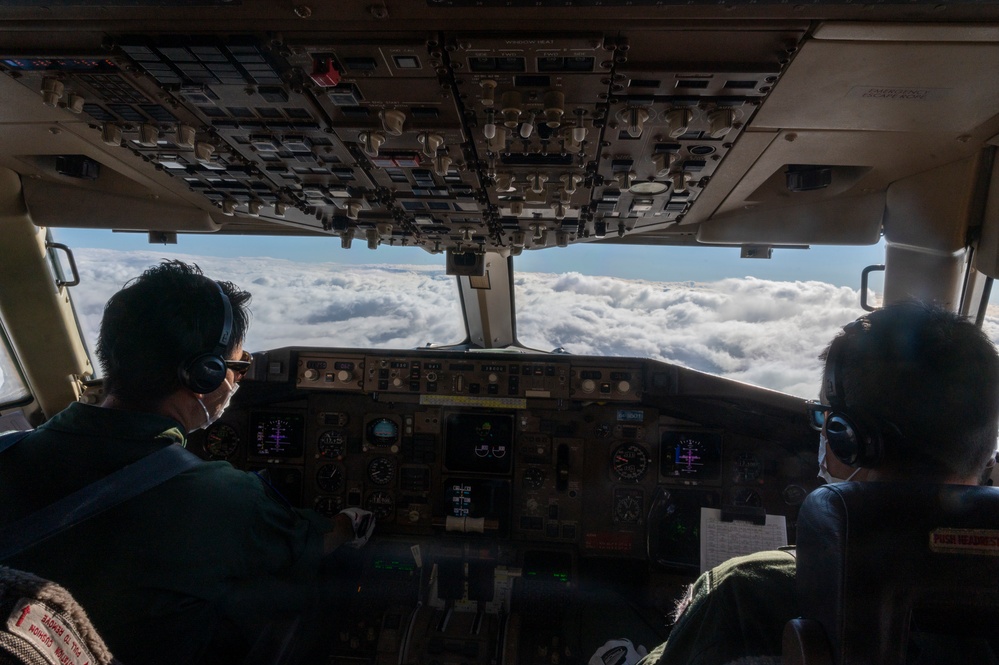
464 141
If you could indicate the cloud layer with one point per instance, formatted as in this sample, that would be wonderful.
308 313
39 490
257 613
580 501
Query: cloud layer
762 332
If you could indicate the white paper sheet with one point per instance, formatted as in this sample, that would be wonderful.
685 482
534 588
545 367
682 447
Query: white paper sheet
721 541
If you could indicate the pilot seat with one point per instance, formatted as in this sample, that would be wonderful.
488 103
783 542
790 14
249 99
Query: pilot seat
895 573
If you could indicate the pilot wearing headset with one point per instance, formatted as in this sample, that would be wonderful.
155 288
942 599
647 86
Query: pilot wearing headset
193 569
910 393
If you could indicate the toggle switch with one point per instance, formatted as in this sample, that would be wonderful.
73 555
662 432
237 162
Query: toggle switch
392 121
678 120
634 118
663 162
371 142
720 122
430 142
111 134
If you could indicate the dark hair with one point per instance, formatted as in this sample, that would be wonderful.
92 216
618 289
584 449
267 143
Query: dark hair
159 320
930 374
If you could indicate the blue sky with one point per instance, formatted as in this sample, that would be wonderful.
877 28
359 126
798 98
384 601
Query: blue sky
839 266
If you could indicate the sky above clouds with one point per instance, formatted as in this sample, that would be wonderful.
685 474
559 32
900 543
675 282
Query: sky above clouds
764 332
767 332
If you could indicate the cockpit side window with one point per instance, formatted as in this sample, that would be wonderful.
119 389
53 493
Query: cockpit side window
12 387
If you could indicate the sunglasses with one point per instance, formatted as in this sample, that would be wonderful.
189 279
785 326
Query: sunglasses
241 366
817 414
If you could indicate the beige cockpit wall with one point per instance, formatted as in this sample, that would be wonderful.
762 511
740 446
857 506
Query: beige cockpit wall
904 115
35 308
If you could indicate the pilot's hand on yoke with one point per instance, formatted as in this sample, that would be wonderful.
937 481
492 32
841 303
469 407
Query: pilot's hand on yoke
351 526
362 523
618 652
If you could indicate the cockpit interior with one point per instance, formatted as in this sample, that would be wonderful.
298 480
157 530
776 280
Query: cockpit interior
529 505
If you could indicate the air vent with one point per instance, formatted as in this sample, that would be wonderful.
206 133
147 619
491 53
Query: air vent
807 177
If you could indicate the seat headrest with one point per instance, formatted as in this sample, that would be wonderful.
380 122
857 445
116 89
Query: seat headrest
874 557
42 624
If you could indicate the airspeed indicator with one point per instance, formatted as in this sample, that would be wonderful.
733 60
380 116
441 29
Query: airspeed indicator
630 462
221 441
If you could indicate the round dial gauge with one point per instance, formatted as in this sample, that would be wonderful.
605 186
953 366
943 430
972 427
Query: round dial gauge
329 477
221 441
382 432
794 494
748 467
328 505
627 507
381 470
744 496
332 443
534 478
381 504
630 462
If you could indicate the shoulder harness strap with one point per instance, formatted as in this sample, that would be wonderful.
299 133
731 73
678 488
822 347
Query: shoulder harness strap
109 491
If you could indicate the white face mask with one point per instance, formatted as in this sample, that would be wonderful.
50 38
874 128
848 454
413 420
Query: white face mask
223 404
824 470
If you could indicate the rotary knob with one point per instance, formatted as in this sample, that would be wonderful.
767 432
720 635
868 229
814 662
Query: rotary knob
588 385
623 386
311 374
396 382
344 375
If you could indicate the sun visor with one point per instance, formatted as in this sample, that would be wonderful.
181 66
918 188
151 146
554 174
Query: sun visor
61 205
850 221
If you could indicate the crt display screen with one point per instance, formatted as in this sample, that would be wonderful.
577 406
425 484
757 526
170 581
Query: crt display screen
690 455
277 435
478 443
477 497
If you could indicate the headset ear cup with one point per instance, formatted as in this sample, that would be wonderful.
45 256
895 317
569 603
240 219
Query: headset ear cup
842 437
203 374
853 443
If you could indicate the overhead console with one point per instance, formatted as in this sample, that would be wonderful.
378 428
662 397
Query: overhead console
457 140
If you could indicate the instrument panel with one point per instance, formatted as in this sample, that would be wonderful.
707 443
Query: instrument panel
519 497
603 457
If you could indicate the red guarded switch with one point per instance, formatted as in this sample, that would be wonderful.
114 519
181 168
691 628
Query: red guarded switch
324 73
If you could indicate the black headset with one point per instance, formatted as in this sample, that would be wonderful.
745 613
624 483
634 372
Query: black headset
855 440
205 372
